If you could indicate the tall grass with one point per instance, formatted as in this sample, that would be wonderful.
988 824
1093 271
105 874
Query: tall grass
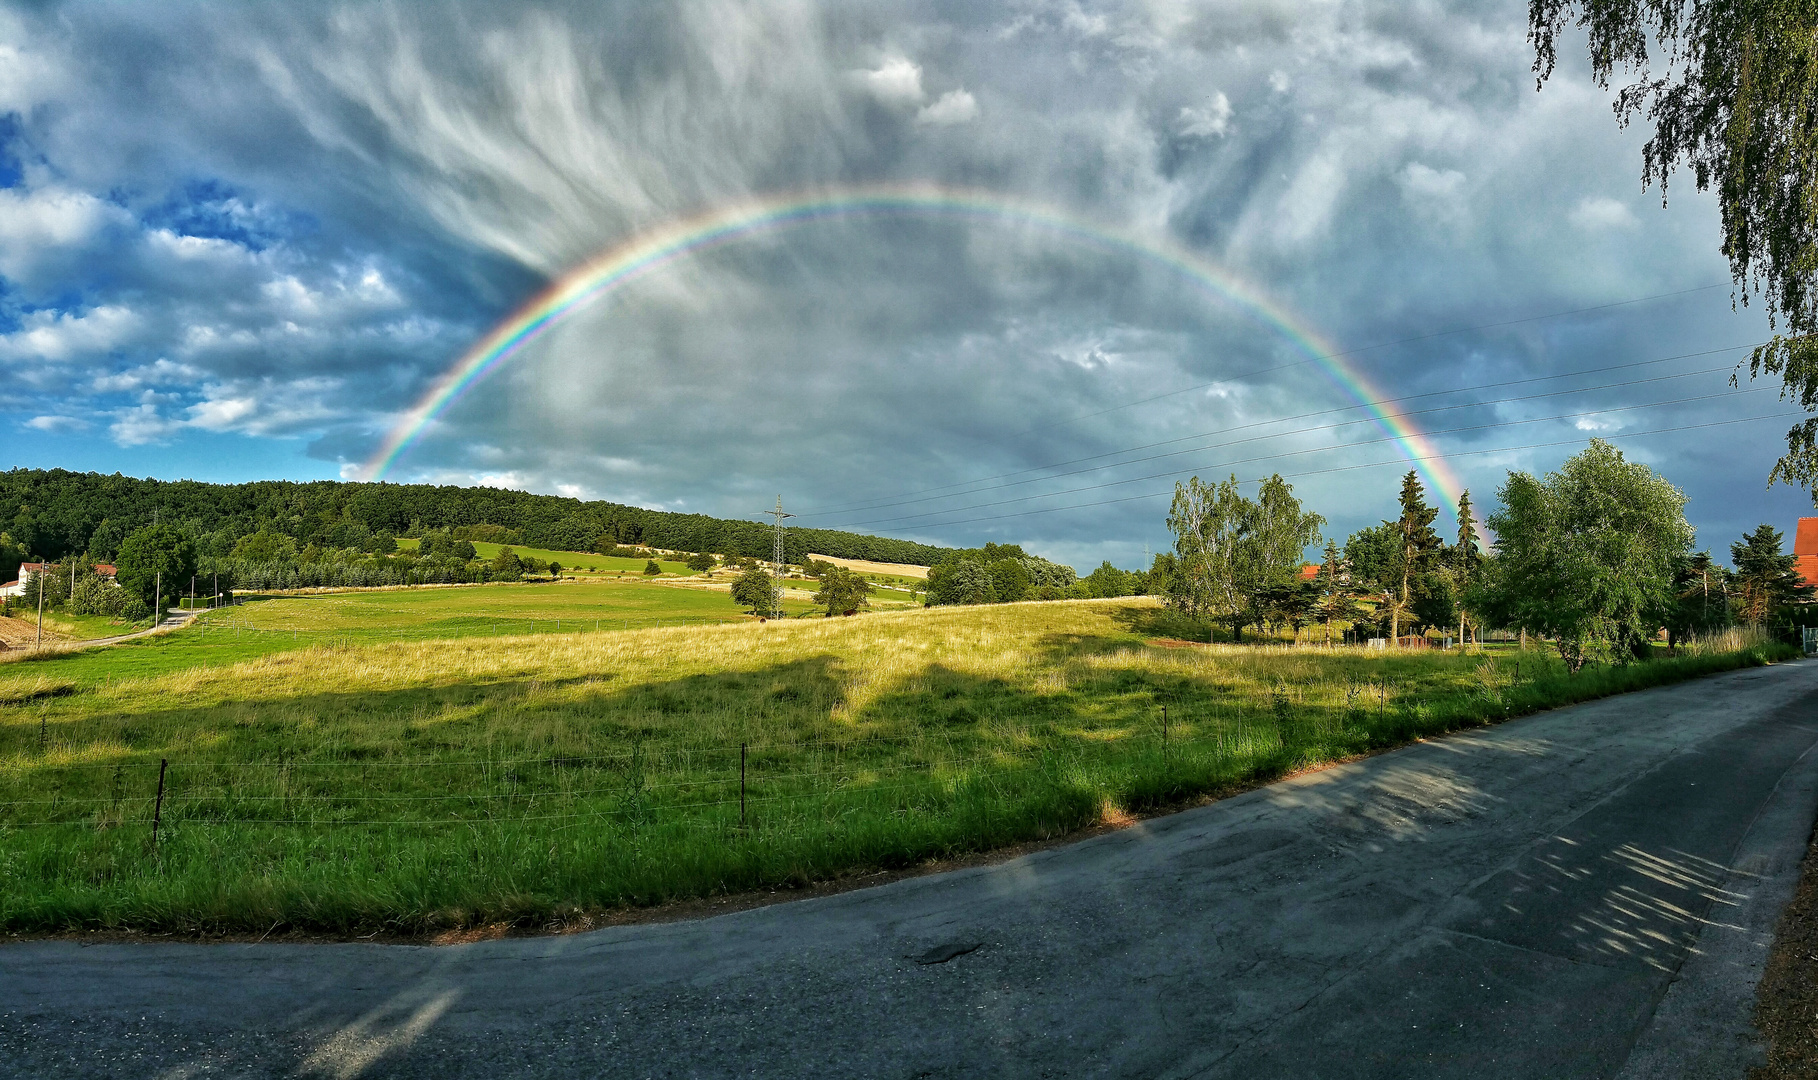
1730 640
426 785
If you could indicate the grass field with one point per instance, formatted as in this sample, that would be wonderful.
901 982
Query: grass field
452 611
418 786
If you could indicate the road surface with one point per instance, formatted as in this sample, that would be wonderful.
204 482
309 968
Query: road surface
1586 892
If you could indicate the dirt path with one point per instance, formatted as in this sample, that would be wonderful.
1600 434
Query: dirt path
1583 893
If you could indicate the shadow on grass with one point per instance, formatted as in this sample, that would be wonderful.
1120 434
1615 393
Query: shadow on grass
1166 622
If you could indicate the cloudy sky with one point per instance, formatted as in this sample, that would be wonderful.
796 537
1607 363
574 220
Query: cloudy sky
240 242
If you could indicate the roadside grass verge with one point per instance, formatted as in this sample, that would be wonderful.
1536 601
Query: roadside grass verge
416 787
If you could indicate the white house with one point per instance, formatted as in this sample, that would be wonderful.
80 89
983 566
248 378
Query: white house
28 570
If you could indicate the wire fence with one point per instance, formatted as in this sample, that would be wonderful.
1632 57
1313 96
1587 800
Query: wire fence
221 629
713 785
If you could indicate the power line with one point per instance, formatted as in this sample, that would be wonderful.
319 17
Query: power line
906 496
1282 434
1300 453
1381 464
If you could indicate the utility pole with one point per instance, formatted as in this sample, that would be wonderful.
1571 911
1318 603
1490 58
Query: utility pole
40 642
776 595
157 598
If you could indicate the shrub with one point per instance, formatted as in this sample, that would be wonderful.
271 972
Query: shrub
651 569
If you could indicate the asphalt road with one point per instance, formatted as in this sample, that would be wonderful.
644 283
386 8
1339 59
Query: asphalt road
1588 892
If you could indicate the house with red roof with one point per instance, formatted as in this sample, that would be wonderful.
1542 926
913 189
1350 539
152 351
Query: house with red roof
18 587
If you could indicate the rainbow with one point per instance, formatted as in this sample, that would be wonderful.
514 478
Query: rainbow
650 252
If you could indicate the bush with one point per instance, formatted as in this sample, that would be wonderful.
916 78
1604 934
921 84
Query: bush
651 569
755 590
702 562
134 609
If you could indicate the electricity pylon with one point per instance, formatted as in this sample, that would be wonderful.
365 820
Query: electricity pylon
776 593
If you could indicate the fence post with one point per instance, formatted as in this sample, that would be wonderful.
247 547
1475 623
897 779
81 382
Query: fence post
158 806
741 785
1164 733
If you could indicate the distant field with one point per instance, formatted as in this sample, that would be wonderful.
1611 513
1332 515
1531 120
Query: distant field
903 572
573 562
427 785
454 611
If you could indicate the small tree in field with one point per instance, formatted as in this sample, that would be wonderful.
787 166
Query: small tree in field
700 563
843 592
754 589
506 566
651 569
1588 555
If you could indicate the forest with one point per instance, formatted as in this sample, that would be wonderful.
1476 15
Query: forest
49 514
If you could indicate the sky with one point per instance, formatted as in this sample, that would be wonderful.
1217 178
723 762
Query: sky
247 241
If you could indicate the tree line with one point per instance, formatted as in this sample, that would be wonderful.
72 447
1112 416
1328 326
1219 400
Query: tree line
53 513
1596 558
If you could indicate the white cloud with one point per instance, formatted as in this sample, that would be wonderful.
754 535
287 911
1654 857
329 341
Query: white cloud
953 107
1600 213
501 480
896 82
1211 121
222 414
60 335
58 425
140 425
28 76
1424 181
160 372
40 228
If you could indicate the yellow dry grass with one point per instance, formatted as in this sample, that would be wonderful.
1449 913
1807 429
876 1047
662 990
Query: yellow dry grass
866 566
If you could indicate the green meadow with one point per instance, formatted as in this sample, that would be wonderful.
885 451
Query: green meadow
417 785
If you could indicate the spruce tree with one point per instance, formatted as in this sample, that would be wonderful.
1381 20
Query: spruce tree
1419 543
1766 579
1465 557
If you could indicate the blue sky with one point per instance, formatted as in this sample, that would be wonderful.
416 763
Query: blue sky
239 242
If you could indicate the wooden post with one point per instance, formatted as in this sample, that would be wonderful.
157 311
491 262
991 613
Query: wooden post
158 806
741 785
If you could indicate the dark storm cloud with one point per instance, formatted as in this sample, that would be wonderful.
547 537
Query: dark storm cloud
285 222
